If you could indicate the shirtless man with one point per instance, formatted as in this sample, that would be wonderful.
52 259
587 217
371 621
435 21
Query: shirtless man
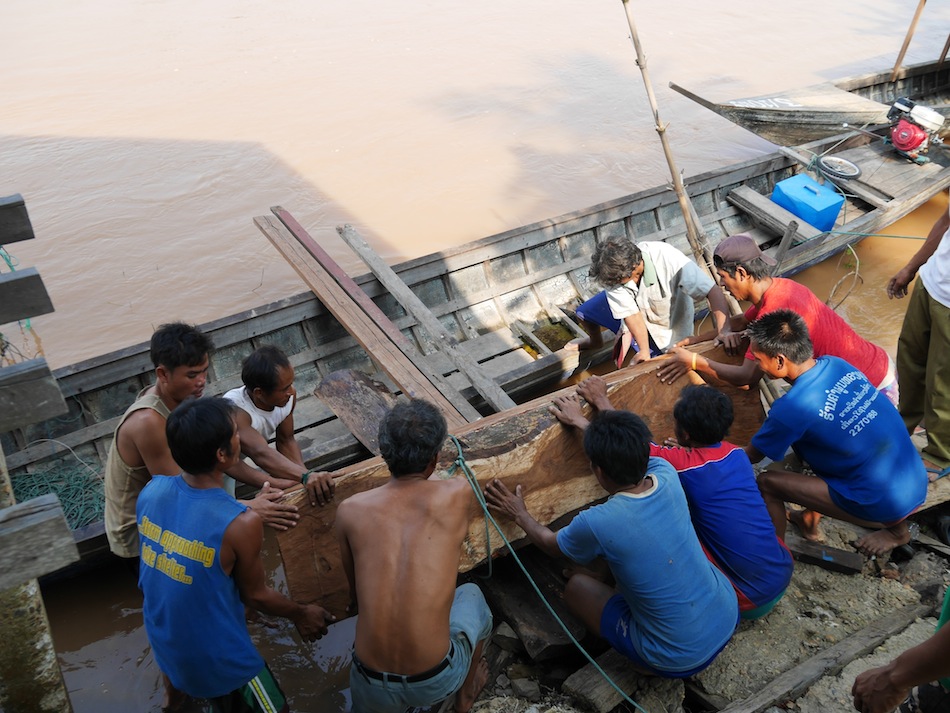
867 471
140 449
419 638
266 405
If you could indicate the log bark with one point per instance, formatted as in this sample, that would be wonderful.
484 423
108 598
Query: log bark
525 445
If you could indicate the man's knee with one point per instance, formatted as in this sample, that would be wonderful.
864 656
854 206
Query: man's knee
770 484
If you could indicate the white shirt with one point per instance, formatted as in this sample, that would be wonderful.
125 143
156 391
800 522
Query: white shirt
665 295
936 272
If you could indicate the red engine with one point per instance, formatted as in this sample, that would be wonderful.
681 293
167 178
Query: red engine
913 129
908 138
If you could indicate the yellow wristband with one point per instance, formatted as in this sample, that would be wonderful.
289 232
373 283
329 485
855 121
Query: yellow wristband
694 361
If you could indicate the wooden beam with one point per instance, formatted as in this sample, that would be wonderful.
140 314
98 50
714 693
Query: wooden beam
358 401
830 558
14 220
445 341
907 38
522 446
22 295
28 394
794 682
35 540
514 600
391 357
769 215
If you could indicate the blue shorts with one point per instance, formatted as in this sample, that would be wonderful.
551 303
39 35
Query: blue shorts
470 621
616 618
597 311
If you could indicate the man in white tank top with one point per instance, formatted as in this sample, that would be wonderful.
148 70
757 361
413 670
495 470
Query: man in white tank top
923 350
266 411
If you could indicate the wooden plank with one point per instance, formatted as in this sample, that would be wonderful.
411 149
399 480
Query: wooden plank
794 682
589 688
446 343
770 215
525 445
388 356
346 288
35 540
359 401
853 187
524 331
23 295
14 220
28 394
514 600
830 558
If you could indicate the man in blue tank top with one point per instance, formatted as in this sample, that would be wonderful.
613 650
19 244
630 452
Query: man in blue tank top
868 471
200 565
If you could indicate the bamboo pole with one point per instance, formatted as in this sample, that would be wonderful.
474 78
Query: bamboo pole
943 55
907 38
694 230
30 678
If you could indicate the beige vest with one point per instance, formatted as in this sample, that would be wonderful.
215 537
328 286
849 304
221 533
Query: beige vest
123 485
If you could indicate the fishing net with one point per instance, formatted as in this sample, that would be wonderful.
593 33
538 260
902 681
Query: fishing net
80 490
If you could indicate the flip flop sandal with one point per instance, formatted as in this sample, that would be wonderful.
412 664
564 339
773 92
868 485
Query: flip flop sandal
939 472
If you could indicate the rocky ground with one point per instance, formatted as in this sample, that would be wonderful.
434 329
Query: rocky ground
820 609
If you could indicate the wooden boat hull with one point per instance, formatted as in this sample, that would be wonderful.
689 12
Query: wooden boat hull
521 280
797 116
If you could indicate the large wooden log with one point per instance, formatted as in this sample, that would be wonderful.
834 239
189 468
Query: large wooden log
524 445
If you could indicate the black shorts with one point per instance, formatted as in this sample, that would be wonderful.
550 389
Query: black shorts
261 694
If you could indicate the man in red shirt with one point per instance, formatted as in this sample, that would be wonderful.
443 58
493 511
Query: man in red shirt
746 272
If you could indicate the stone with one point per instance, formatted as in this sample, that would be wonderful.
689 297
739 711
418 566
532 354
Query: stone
526 688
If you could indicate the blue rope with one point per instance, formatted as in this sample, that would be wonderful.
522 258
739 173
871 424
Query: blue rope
473 481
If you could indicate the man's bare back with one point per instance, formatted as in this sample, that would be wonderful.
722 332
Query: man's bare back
404 541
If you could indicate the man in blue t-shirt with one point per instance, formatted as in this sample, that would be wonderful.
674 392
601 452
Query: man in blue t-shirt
725 504
869 472
672 611
201 564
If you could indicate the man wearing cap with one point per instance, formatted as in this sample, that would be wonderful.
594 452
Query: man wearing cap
746 272
649 298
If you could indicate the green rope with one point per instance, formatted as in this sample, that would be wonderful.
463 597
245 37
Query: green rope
472 481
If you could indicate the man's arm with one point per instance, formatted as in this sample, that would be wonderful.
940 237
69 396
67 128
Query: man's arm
638 330
281 471
512 505
145 430
881 690
755 455
241 549
285 441
682 360
719 310
897 285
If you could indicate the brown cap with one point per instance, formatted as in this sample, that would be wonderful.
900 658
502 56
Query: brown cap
740 248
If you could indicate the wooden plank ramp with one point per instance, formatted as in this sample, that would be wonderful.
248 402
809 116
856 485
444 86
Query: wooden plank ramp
446 343
525 445
362 318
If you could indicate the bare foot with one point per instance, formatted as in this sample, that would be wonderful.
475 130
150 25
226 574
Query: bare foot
807 522
465 698
567 410
881 542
